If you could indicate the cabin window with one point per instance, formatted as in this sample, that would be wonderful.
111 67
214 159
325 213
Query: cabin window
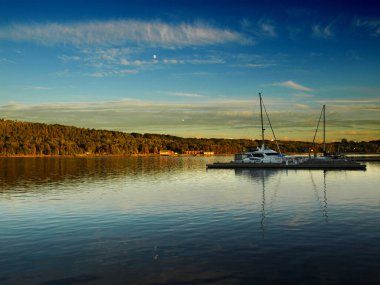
258 155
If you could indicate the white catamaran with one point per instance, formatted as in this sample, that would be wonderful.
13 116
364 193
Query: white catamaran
264 154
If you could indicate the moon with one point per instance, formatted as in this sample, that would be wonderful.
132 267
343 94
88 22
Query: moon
154 56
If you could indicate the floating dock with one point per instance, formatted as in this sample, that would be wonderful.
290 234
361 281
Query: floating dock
309 164
364 158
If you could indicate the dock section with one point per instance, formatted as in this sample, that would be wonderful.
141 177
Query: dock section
309 164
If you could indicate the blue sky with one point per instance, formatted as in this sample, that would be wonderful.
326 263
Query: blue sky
193 68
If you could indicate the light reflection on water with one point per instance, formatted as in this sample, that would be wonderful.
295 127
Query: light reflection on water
166 220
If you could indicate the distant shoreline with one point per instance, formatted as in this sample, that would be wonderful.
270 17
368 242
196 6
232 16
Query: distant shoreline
25 139
348 155
109 155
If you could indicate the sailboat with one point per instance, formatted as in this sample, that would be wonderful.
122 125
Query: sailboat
325 153
263 154
329 159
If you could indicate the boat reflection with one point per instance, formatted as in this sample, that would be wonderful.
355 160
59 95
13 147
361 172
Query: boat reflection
270 182
262 176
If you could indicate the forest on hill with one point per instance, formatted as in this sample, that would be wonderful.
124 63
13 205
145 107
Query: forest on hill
24 138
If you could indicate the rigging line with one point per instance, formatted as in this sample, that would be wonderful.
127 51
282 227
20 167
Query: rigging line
315 134
275 139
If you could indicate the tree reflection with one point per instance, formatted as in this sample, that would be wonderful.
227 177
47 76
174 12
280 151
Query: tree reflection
31 172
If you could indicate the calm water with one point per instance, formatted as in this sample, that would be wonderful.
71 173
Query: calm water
166 220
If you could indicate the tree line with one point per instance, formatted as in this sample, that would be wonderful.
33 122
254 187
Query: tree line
24 138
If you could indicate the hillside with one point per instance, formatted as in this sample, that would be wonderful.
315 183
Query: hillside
24 138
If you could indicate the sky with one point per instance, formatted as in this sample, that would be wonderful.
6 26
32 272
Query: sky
194 68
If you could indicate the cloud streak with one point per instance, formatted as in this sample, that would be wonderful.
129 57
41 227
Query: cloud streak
111 73
262 28
322 32
293 85
371 25
121 61
188 95
267 28
39 88
5 60
116 32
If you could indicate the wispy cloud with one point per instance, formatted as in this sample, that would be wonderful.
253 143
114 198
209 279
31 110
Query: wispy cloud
113 61
257 65
246 24
371 25
112 73
154 33
351 101
172 61
137 62
267 28
194 61
303 95
322 32
37 88
68 58
186 94
293 85
62 73
209 60
302 106
5 60
261 28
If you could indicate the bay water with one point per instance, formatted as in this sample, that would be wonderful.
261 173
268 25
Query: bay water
169 220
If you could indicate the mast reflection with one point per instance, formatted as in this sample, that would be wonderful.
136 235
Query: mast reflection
262 176
323 204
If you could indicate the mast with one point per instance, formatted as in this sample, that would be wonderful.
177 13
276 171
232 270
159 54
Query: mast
324 129
261 116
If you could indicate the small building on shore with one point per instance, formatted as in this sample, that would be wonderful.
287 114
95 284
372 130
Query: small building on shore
166 152
198 152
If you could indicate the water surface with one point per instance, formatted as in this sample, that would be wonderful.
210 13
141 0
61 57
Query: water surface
167 220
